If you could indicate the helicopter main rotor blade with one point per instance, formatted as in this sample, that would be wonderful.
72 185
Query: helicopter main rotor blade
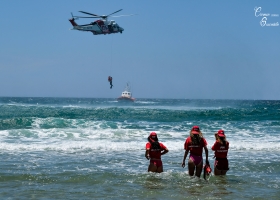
124 15
114 12
85 17
89 13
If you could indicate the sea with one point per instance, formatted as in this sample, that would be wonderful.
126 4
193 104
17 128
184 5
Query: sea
93 148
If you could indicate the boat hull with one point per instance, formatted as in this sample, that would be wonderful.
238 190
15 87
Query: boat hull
125 99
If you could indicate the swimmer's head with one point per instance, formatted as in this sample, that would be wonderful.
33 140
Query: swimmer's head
152 137
221 133
195 130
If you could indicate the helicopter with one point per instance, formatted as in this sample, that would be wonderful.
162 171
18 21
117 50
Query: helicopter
100 26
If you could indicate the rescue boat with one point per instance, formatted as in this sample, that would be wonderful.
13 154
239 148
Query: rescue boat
126 95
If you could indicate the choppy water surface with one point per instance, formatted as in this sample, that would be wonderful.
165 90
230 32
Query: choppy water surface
57 148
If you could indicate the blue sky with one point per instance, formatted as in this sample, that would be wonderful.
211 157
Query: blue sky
170 49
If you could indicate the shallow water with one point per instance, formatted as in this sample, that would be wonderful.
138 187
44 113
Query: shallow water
58 148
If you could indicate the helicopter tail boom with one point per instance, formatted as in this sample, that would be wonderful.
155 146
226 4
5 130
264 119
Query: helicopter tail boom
72 21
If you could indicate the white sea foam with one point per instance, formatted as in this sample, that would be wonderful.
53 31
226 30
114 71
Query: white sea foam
71 106
92 139
145 102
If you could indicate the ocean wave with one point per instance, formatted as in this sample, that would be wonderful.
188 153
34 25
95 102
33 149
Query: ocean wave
118 139
111 146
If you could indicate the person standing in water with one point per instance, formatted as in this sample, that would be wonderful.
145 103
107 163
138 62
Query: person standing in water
154 150
220 147
195 144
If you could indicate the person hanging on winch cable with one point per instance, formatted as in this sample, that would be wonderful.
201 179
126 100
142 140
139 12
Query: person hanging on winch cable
110 79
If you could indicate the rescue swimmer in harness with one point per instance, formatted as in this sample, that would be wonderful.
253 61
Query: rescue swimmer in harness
110 79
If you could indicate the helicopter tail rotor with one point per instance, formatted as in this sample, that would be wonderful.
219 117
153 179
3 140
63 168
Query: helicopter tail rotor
74 17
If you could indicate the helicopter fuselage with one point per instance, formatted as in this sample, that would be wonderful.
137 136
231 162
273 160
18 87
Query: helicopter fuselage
98 27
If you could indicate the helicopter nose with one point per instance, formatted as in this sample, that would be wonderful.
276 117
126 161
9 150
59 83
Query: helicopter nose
121 29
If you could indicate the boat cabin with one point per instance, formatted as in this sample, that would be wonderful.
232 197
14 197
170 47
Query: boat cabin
126 94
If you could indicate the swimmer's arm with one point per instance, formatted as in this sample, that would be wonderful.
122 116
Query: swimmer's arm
164 151
147 154
184 159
